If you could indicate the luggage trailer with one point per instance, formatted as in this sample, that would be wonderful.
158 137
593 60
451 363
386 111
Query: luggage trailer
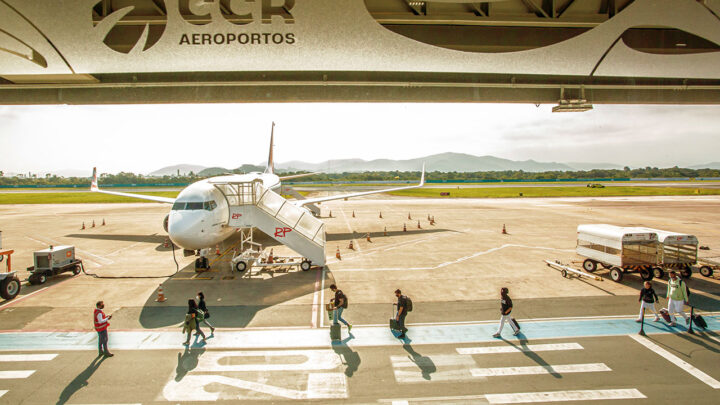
676 251
708 265
53 261
621 250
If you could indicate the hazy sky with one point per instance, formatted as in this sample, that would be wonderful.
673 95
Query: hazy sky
143 138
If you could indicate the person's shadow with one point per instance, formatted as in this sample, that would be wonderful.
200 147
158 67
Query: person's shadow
81 380
348 357
523 347
187 361
425 364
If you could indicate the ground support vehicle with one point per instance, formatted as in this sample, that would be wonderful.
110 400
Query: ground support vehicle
9 282
251 254
676 251
569 272
621 250
53 261
708 265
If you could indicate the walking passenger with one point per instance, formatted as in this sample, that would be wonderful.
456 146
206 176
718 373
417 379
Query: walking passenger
677 298
340 303
192 321
403 308
506 307
648 299
203 307
101 326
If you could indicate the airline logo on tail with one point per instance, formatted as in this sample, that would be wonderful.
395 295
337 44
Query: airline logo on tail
94 184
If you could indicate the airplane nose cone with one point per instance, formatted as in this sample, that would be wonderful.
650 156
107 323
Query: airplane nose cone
185 230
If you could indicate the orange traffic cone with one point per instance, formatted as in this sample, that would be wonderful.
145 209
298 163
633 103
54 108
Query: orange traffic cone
504 231
351 246
385 231
83 227
404 228
103 224
428 217
330 214
270 257
167 243
419 224
161 295
337 253
367 237
93 225
409 217
217 250
380 214
353 213
432 221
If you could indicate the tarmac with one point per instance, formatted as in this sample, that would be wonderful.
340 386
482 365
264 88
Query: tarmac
272 343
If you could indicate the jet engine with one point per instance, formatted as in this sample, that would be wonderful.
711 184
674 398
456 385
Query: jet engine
165 222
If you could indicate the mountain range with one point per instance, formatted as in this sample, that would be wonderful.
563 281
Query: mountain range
443 162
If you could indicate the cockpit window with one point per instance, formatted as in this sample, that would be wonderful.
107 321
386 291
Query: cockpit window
194 206
179 206
210 205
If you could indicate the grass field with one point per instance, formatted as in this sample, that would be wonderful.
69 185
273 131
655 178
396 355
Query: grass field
75 198
510 192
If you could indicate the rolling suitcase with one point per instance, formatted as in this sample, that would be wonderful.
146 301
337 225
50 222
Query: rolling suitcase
517 325
665 315
699 321
393 320
335 331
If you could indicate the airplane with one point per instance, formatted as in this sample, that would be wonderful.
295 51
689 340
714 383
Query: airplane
199 217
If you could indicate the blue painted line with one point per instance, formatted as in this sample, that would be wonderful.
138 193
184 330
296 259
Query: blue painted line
361 337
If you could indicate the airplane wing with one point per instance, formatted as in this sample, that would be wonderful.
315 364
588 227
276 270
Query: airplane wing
94 188
295 176
306 201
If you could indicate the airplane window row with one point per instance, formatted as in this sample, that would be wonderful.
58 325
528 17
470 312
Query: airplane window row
183 205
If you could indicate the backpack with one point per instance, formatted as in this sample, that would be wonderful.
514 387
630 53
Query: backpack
687 289
345 301
199 315
408 302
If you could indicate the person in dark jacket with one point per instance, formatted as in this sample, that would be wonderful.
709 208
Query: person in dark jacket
340 303
402 312
192 311
506 307
201 305
647 300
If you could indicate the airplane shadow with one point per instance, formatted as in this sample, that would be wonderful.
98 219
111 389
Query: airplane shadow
155 238
331 237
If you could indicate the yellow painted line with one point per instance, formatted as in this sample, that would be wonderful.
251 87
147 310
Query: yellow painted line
228 250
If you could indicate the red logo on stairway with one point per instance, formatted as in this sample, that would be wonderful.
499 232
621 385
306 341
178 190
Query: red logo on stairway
280 232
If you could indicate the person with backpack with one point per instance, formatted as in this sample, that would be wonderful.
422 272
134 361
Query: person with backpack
506 307
677 295
340 303
648 299
192 321
404 305
203 307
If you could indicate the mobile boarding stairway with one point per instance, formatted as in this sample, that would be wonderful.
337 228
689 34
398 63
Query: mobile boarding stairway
252 205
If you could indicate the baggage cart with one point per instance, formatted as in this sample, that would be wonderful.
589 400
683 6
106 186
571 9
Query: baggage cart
676 251
53 261
620 250
708 265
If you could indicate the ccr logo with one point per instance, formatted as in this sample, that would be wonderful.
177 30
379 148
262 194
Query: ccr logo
123 30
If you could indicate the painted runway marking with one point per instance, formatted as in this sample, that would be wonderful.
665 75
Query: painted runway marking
15 301
557 396
528 397
246 375
519 349
692 370
27 357
441 367
3 392
316 304
533 370
13 374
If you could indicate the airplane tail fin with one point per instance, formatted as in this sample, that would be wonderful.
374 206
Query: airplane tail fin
94 184
270 168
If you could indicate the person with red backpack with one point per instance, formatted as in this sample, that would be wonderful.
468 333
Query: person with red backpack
101 326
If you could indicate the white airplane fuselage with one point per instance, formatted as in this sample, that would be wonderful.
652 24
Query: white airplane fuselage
199 216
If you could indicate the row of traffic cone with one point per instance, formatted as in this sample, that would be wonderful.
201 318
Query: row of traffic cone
93 224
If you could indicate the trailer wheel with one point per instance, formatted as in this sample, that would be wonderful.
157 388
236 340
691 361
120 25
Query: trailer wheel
305 265
589 265
564 273
241 266
646 274
40 279
9 288
706 271
686 272
658 272
76 270
616 274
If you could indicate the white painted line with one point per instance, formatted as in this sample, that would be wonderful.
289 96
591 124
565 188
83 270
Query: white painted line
440 360
16 300
692 370
11 374
401 402
27 357
557 396
322 297
533 370
519 349
3 392
316 297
